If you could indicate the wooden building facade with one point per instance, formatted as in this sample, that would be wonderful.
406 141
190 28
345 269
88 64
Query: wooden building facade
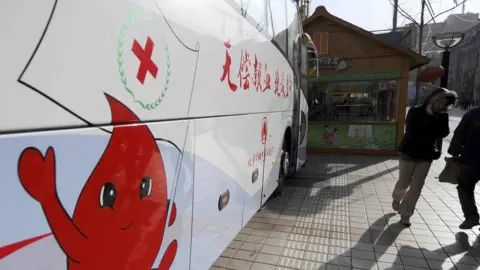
357 103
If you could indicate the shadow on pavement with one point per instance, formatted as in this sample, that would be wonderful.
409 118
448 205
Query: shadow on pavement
328 192
440 258
385 238
407 256
322 167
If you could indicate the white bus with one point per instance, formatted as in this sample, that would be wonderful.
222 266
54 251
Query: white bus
144 134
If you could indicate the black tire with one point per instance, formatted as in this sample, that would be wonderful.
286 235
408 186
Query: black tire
283 171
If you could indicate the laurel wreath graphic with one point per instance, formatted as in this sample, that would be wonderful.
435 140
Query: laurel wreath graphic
140 14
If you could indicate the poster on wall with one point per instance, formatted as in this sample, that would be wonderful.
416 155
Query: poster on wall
352 136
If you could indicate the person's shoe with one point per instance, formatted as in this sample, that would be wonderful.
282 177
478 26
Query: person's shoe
395 205
405 221
469 223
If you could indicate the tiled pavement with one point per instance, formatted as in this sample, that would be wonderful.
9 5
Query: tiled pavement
336 214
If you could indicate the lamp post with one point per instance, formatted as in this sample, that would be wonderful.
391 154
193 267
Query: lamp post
447 41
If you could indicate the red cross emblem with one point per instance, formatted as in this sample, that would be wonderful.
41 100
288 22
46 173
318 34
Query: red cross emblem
145 57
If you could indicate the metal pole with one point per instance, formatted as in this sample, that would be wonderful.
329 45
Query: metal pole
446 66
420 45
395 11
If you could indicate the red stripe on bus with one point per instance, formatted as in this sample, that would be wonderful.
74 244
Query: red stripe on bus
9 249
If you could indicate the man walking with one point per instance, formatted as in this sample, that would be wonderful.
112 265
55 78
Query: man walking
465 145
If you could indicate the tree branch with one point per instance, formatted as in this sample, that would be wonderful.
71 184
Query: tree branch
430 10
445 11
404 13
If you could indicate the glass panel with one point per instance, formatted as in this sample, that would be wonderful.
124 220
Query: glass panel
304 69
354 101
257 13
258 10
279 15
373 136
294 30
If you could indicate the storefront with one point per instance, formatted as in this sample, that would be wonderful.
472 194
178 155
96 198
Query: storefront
357 103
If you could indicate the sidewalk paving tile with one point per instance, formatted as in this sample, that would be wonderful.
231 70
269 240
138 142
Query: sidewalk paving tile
336 214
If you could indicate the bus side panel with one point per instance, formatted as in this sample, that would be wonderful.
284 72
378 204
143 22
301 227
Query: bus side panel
237 65
273 150
138 54
97 184
228 159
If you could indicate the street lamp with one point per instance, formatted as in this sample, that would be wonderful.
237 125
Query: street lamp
447 41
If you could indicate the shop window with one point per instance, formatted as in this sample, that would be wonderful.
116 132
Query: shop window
369 101
321 42
353 115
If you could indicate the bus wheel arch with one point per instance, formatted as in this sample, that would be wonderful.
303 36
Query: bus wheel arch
284 169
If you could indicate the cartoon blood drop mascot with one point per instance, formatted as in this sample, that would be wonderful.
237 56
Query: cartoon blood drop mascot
121 213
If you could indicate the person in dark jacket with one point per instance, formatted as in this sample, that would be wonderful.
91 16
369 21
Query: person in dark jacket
465 146
426 126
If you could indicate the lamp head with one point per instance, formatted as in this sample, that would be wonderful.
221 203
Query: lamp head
448 40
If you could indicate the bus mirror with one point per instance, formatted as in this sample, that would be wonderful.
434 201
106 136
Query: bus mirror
306 38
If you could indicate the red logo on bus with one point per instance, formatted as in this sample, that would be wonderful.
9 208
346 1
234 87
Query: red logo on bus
264 130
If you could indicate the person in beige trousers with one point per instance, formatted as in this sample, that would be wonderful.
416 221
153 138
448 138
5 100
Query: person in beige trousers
426 126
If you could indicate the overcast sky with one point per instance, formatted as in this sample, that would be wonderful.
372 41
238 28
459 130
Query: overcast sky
377 14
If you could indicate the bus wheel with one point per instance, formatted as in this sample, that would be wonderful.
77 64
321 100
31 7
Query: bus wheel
283 172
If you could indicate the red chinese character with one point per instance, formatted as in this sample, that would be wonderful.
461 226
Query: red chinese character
226 67
259 155
277 84
243 72
267 80
250 161
258 74
282 85
289 85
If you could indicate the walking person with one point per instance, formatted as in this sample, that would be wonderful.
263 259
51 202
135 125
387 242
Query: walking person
426 125
465 146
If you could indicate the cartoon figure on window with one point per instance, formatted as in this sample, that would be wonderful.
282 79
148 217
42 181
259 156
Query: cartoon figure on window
121 214
336 137
328 135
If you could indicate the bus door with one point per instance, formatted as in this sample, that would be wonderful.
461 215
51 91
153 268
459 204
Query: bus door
303 103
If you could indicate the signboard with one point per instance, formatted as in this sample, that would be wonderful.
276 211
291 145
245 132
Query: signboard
336 135
388 85
336 62
349 76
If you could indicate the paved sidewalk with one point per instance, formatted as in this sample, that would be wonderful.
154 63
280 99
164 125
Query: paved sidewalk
336 214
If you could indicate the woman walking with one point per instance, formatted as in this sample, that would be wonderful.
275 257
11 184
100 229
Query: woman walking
426 125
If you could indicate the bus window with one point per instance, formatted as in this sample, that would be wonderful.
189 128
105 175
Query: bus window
257 13
294 30
278 9
304 68
260 13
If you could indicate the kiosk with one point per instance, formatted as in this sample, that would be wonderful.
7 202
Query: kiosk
357 100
